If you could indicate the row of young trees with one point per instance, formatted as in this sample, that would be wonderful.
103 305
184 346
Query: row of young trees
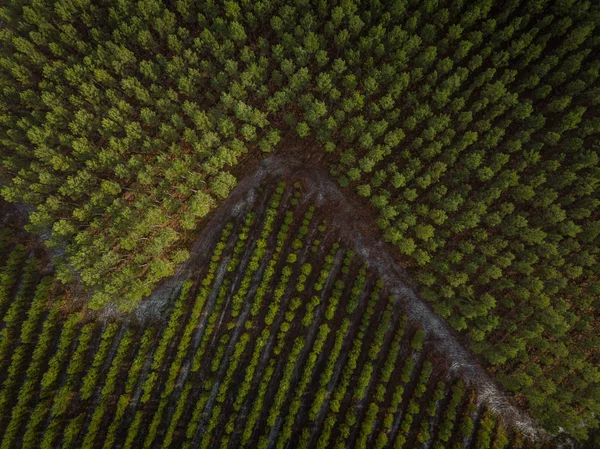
255 252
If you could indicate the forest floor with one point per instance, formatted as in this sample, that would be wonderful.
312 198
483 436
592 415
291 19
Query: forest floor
353 224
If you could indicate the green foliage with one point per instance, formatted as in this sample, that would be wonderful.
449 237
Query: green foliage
471 129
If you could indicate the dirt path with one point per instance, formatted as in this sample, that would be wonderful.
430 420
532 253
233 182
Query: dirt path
362 234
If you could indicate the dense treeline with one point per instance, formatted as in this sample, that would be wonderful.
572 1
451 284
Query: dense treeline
470 127
329 361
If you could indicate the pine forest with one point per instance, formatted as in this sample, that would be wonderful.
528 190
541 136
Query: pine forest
284 224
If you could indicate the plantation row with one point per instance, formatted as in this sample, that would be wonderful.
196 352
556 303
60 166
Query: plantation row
285 339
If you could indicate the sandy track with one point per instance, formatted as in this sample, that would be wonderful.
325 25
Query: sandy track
360 232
